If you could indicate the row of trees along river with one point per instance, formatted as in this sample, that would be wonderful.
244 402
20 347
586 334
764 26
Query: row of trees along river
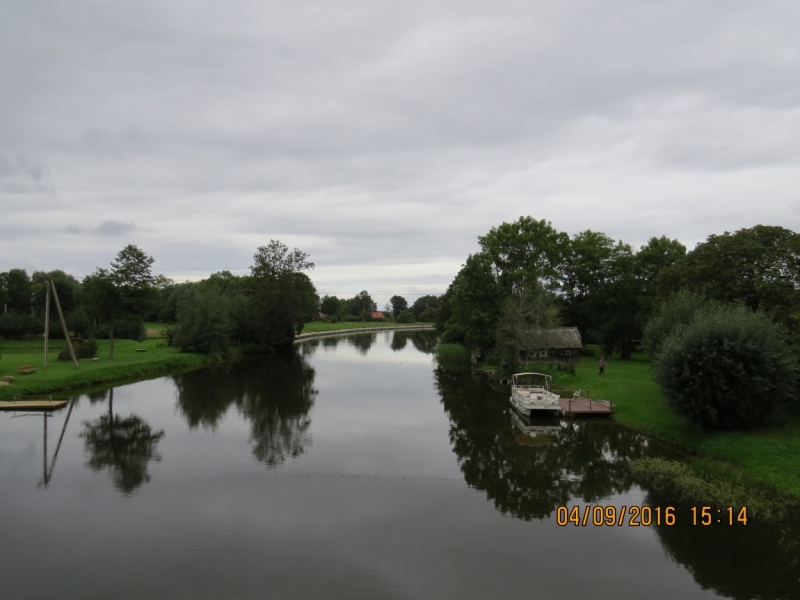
526 274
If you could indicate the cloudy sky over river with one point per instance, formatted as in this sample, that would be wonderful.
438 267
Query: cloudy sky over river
384 137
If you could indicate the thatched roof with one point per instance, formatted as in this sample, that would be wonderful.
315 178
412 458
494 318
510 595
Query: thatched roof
557 337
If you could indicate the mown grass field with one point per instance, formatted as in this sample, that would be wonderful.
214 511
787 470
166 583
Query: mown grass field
320 326
62 375
768 455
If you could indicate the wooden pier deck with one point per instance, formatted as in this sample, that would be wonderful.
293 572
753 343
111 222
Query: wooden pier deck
574 407
33 405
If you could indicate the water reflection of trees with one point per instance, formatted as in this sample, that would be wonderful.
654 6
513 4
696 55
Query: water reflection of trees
585 460
362 342
275 394
123 445
759 561
423 341
588 460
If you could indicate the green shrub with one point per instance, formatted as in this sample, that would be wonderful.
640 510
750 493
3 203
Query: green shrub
429 315
406 317
452 352
684 483
204 323
679 310
728 368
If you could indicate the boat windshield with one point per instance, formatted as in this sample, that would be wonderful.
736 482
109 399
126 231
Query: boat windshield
532 380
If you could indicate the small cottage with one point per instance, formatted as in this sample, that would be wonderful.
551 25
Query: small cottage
377 315
553 345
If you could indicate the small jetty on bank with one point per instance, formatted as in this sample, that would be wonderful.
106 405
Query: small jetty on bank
579 407
32 404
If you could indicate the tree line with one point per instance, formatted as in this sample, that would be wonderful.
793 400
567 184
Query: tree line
722 322
262 310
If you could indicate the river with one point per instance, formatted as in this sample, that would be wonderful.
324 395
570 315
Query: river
349 467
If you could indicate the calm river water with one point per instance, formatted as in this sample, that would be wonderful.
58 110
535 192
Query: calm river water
351 467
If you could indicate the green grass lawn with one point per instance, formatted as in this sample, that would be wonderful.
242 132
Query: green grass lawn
317 326
156 330
768 455
62 375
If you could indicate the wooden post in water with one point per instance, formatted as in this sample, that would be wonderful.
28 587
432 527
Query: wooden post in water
46 324
64 325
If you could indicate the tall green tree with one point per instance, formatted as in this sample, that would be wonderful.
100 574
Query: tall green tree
399 304
281 299
474 304
525 252
759 266
126 290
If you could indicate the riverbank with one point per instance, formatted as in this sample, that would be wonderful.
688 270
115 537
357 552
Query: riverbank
320 334
59 376
767 456
319 326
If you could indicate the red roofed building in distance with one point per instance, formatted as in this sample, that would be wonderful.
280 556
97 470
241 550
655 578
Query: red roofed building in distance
377 315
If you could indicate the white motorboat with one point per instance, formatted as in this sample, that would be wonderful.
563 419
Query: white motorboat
531 395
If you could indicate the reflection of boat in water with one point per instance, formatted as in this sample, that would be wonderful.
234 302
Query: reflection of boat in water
530 394
538 431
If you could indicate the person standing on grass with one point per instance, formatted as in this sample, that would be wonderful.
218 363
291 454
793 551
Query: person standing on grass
602 365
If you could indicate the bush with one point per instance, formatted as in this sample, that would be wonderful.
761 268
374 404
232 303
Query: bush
83 349
679 310
406 317
429 315
204 323
87 349
18 326
452 352
728 368
351 319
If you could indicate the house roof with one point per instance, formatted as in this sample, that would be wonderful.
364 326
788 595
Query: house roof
377 315
556 337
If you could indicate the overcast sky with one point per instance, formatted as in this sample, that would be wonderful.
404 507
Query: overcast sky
383 137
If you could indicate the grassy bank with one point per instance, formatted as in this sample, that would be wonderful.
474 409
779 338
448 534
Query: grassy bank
767 456
62 375
318 326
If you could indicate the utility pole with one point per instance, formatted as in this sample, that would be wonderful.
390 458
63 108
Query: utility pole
64 325
46 323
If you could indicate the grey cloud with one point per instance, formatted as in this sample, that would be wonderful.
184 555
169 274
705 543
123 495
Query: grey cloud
22 175
382 133
114 228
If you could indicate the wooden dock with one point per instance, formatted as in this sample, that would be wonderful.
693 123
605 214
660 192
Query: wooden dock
33 405
579 407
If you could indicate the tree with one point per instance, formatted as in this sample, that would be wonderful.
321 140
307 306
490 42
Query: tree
474 300
204 322
126 290
17 290
759 266
531 308
399 304
362 303
329 305
280 298
406 317
424 303
276 259
728 368
523 252
584 272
